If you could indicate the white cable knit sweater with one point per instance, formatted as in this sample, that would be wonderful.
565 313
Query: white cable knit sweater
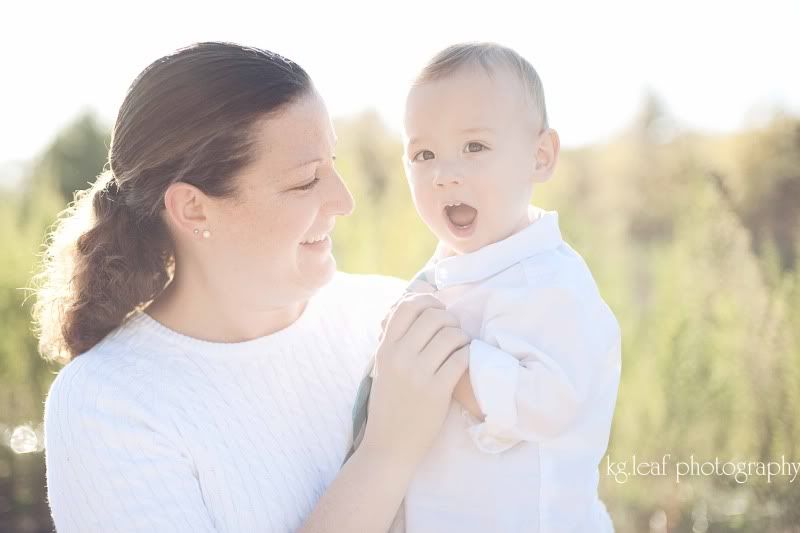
154 431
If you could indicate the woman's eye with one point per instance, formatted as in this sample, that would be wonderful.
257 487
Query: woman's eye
308 185
424 155
475 147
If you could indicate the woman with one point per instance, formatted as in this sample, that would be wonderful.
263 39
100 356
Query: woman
213 350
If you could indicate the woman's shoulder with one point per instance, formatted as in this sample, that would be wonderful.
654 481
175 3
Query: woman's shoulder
358 302
368 281
110 436
121 373
373 290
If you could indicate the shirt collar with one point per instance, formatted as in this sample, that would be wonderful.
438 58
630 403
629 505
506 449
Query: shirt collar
541 235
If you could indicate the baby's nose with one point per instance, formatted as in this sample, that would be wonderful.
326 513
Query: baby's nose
447 175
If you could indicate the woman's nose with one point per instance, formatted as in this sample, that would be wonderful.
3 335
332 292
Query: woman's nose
341 202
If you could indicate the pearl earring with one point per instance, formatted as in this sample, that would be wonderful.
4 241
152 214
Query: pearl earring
206 233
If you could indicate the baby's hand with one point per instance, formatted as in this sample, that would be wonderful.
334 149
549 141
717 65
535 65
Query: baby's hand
465 394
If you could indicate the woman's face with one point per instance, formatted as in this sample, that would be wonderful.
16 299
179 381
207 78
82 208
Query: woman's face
273 241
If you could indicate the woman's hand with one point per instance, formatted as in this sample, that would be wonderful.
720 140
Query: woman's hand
422 355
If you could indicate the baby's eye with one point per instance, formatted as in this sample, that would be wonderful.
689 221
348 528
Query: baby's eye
423 155
475 147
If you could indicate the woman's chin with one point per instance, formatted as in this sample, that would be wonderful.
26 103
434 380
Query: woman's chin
320 272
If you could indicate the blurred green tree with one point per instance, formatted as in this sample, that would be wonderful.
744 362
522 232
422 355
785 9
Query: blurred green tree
693 240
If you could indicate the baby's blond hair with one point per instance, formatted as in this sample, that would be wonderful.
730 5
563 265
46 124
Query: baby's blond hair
488 56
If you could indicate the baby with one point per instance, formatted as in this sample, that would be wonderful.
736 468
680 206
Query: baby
521 445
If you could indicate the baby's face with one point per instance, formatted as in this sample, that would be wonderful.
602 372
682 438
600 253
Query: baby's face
470 154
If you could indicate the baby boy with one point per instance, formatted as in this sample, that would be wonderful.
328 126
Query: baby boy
521 445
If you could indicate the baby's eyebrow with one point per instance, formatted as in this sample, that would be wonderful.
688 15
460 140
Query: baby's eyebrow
413 141
479 129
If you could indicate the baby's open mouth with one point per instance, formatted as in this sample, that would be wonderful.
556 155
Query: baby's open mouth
460 215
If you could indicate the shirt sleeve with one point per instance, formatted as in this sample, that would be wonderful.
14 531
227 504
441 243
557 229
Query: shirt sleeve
534 367
112 464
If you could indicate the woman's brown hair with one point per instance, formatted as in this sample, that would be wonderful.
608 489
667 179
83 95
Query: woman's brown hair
189 116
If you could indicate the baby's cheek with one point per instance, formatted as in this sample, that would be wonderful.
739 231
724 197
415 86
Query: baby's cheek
427 204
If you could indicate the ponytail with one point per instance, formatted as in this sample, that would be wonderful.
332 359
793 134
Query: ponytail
101 264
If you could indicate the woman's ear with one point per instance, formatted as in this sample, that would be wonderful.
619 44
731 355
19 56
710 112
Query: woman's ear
547 147
184 208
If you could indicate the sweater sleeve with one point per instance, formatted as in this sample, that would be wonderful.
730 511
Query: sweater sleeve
114 462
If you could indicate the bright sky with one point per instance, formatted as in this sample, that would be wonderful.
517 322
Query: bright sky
717 65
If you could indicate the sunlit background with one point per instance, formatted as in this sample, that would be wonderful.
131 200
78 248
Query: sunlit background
679 183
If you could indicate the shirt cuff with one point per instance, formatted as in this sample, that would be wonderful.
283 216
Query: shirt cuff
494 375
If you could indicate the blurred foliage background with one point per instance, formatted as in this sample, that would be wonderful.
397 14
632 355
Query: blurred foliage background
693 239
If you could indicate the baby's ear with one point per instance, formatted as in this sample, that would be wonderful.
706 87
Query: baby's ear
548 146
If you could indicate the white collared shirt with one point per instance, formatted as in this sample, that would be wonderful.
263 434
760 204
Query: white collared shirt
545 365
